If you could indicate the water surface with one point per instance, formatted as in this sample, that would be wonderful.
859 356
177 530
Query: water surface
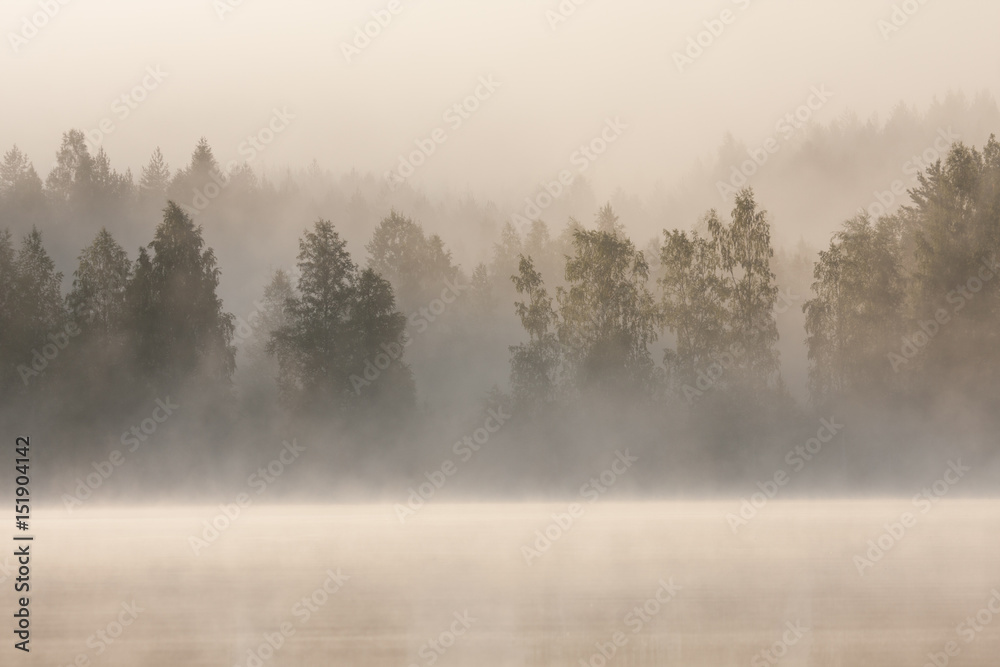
458 575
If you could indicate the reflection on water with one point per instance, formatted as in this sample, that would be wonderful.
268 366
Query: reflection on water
643 583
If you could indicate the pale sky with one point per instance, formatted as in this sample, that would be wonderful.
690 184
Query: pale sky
557 86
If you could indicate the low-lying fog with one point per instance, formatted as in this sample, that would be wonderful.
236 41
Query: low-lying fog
801 583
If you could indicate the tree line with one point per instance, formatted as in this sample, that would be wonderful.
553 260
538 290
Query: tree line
903 308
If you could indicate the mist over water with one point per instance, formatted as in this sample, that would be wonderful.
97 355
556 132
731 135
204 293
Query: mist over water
670 579
526 333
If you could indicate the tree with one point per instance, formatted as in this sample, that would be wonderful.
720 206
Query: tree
33 305
203 162
342 346
537 242
898 304
155 177
544 252
21 194
72 177
100 373
534 365
100 284
598 340
109 187
8 316
718 298
954 220
505 254
484 301
257 370
181 329
377 331
607 221
745 254
271 313
694 301
607 316
956 239
415 264
201 170
38 299
854 320
509 248
141 316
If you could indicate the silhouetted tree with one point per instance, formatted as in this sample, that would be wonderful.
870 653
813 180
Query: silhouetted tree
100 284
180 327
188 183
34 307
155 178
8 314
607 221
71 179
376 332
415 264
343 344
21 194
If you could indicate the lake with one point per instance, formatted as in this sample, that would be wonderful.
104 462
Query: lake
643 583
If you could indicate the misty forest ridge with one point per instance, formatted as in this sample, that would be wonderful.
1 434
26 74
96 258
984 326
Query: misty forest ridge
533 333
585 338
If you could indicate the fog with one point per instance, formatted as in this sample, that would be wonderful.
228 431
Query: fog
476 123
668 580
494 133
525 311
557 85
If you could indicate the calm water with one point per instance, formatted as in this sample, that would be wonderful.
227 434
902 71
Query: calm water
452 586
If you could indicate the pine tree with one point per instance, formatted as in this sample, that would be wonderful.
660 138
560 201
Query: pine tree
108 186
182 330
377 332
9 343
343 345
312 350
37 284
257 371
155 177
607 221
21 192
34 306
203 161
18 179
201 170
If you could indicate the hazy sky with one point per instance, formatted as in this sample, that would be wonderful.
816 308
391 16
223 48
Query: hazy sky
225 76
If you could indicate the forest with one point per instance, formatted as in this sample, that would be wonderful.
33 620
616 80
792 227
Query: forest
263 317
